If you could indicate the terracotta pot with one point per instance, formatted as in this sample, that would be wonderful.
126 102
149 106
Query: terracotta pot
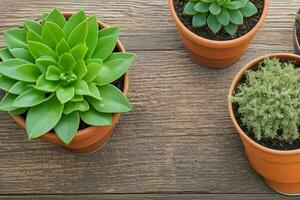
279 168
212 53
89 139
295 40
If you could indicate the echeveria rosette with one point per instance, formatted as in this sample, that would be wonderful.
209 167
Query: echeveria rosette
61 71
216 14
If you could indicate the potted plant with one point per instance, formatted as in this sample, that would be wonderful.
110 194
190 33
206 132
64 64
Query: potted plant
217 32
264 107
296 33
65 79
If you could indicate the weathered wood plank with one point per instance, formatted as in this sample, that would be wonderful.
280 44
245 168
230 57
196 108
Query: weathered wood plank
145 25
179 136
155 197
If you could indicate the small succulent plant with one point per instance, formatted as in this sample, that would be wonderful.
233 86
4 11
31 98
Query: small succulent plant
268 101
216 14
59 71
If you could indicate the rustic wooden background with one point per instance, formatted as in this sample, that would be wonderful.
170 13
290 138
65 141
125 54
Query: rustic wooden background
178 143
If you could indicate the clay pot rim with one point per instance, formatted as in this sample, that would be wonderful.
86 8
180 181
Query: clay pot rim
233 86
81 133
216 43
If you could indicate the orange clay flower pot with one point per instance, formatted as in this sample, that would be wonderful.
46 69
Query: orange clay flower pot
89 139
280 169
212 53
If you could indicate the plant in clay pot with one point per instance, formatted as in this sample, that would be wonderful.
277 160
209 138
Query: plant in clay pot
296 34
217 32
65 74
264 107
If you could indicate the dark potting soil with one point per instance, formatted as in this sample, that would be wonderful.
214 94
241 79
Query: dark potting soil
205 32
276 144
298 27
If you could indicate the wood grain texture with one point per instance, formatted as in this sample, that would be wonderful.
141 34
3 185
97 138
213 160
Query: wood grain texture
152 197
178 139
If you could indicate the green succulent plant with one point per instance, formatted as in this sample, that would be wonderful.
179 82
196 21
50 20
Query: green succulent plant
216 14
268 100
59 71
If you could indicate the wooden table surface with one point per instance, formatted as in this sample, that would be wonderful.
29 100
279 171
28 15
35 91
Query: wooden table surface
178 143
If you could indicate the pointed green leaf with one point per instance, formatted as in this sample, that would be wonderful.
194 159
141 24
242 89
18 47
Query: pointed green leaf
6 102
66 62
77 98
32 36
93 70
114 67
67 127
236 17
62 47
92 36
33 26
52 34
6 83
113 100
43 117
29 98
79 51
93 60
249 10
15 38
44 62
189 8
199 20
22 54
18 111
213 23
5 54
223 18
214 8
78 35
233 5
45 85
19 70
19 87
38 50
107 40
72 106
56 17
94 91
231 29
53 73
81 88
80 69
64 94
73 22
243 3
202 7
94 118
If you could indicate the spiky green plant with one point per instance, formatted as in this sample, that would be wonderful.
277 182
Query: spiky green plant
268 101
60 71
216 14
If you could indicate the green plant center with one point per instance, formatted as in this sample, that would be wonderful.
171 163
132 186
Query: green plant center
68 78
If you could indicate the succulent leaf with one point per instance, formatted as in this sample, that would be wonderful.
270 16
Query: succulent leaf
67 127
43 117
93 117
54 71
218 14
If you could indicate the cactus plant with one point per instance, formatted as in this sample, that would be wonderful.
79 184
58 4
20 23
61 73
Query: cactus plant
268 100
216 14
59 71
